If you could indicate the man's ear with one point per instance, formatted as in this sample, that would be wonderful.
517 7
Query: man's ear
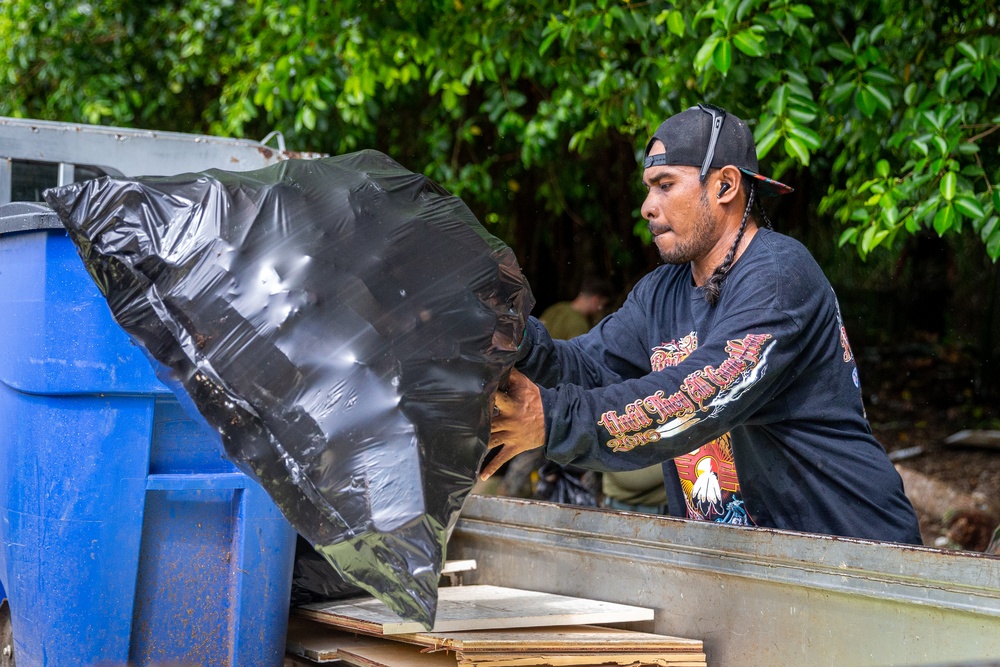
727 184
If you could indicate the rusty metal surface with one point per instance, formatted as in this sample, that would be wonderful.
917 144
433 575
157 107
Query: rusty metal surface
130 152
755 596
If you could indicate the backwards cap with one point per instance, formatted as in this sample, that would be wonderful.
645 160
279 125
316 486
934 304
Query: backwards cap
688 138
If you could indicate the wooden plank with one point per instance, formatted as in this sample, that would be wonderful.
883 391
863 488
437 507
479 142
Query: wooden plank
556 639
297 661
320 643
556 646
455 566
476 608
394 654
581 660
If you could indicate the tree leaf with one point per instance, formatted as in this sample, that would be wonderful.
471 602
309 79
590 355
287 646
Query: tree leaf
989 80
765 145
704 54
764 127
880 97
942 85
882 168
879 75
744 7
968 148
960 69
967 50
547 42
847 236
948 182
865 101
805 135
794 146
749 43
944 219
941 144
803 117
801 11
969 206
988 229
722 55
675 22
840 52
891 214
779 99
841 92
308 118
993 245
868 239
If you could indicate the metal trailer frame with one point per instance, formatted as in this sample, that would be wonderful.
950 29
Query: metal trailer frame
755 596
127 152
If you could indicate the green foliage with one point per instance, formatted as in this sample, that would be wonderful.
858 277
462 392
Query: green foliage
520 107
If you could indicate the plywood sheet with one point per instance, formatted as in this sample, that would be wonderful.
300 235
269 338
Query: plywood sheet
462 608
560 639
319 643
560 646
395 654
581 660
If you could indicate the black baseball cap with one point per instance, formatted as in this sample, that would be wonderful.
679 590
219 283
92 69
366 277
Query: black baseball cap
707 137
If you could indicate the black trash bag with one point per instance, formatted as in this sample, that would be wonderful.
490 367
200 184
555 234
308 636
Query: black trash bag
564 484
315 580
342 324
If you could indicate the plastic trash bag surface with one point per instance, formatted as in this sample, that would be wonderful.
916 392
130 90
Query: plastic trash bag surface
315 580
341 323
564 484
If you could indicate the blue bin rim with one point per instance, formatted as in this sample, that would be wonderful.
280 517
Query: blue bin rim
23 216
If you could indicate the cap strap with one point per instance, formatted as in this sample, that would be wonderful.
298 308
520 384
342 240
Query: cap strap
657 160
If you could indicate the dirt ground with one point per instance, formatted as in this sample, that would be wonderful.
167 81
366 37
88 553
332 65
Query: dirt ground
917 395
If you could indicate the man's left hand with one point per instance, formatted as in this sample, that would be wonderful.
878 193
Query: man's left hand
519 423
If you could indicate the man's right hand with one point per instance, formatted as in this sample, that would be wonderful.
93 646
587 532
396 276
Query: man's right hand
519 423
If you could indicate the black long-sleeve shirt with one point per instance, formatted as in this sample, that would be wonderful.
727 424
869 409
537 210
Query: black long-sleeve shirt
753 406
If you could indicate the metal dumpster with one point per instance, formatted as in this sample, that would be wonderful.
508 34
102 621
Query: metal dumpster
755 596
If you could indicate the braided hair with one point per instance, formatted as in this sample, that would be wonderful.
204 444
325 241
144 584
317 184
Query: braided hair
763 214
713 285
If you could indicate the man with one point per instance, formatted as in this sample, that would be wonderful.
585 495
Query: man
729 365
569 319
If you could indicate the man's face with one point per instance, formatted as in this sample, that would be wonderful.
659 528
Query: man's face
677 209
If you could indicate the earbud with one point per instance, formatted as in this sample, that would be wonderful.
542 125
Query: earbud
722 190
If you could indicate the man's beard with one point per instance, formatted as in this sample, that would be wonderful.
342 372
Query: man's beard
702 240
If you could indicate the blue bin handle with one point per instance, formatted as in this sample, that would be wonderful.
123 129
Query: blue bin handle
186 482
22 216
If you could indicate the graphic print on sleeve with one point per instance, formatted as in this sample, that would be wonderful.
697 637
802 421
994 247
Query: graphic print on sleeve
708 474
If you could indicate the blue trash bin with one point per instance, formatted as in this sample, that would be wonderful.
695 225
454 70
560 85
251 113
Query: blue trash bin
127 537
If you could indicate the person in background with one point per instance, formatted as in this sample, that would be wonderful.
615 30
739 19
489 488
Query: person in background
569 319
640 490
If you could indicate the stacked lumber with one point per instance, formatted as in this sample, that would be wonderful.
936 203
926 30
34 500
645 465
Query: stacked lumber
486 626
